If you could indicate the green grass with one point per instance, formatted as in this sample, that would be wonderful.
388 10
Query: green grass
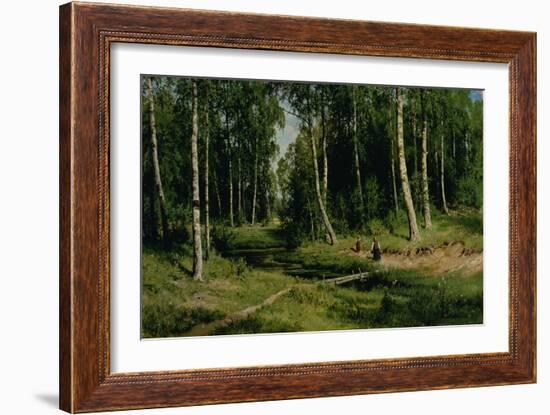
172 303
465 227
393 300
257 237
170 297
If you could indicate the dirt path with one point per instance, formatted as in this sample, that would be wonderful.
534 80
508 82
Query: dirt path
205 329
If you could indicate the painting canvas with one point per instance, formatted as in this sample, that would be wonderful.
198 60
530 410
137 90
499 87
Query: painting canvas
281 206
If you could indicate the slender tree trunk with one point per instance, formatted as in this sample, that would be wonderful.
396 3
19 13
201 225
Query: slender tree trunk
230 170
163 231
325 158
436 157
424 161
267 205
197 245
326 220
217 192
206 187
415 159
356 153
414 235
392 156
442 176
255 182
239 189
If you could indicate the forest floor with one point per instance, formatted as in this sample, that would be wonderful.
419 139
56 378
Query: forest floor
260 286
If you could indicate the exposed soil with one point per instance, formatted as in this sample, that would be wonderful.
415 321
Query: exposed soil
436 261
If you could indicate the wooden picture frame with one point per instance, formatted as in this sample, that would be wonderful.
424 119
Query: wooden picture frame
86 33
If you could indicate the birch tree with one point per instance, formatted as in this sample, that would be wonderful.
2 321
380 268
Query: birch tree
356 153
197 245
163 231
392 133
442 175
206 178
414 235
301 98
424 166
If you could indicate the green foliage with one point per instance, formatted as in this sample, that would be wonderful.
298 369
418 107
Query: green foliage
372 199
247 124
166 319
223 237
394 220
376 227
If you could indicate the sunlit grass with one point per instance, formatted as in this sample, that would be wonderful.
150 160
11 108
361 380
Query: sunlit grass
172 303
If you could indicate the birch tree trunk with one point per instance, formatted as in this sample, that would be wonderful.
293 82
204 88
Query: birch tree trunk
356 153
392 157
424 166
325 158
442 176
415 154
414 235
197 245
206 187
254 192
326 220
163 231
217 192
239 187
267 205
230 170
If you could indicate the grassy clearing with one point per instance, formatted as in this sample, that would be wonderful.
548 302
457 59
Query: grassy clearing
464 227
172 306
384 300
173 303
257 237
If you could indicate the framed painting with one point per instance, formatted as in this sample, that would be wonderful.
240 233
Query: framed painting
258 207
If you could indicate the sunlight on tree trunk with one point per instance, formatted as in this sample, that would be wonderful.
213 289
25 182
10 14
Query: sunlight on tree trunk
197 245
325 158
230 170
392 156
206 186
163 231
326 220
414 235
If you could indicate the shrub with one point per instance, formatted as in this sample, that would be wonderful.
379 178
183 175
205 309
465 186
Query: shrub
223 238
240 267
396 220
375 227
